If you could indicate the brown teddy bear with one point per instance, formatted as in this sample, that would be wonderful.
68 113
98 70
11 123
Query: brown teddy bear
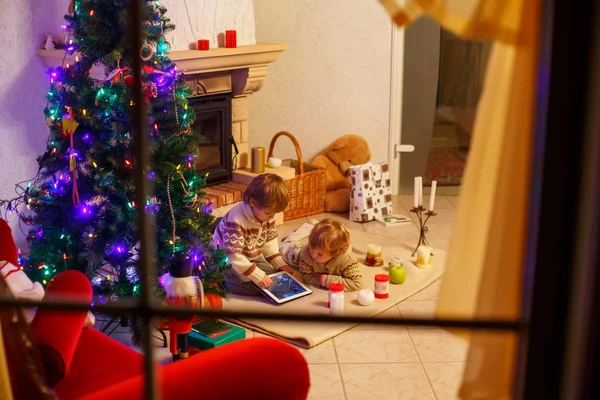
344 152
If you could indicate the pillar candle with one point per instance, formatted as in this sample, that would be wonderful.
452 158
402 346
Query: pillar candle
432 195
203 44
373 249
416 200
230 39
420 191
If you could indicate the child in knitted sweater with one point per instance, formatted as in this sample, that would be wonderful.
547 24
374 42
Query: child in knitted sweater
320 250
248 235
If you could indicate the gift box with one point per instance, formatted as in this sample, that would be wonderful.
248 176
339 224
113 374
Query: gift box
205 342
370 191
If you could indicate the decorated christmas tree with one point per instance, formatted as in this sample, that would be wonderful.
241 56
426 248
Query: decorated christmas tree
82 203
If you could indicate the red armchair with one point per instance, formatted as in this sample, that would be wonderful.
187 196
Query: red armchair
85 364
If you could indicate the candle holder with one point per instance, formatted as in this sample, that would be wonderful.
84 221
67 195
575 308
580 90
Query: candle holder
423 216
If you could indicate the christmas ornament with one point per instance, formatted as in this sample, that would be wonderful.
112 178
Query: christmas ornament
69 124
116 74
162 45
150 90
146 52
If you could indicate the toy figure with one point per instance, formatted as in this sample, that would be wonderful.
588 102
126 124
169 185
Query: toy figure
183 290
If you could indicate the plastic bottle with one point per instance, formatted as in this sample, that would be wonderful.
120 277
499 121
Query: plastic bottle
336 299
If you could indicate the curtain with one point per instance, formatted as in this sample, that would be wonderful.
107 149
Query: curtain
485 265
5 385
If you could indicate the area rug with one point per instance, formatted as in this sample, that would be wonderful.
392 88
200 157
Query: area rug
310 334
446 166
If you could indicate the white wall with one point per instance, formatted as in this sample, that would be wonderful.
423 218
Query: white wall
206 19
199 19
23 87
333 80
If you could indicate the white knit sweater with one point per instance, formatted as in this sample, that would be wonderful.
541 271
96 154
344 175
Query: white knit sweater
244 239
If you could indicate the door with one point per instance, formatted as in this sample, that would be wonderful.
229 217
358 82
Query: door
442 78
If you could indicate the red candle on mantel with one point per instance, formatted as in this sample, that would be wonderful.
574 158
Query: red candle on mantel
231 39
203 44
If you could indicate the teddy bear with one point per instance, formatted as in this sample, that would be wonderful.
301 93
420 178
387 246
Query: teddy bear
343 153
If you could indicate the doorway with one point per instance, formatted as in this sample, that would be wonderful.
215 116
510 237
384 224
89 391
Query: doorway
443 77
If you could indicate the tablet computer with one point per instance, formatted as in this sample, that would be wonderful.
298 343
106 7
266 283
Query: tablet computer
285 287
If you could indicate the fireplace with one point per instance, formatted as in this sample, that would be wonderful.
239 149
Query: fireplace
213 122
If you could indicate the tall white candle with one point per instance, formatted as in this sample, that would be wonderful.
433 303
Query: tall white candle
432 195
416 200
420 191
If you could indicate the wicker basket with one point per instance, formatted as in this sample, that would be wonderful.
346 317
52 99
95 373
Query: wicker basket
307 188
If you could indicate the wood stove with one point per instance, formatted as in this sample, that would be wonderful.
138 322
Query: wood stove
213 122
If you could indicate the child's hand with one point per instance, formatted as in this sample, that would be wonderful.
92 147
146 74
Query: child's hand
323 280
287 269
265 282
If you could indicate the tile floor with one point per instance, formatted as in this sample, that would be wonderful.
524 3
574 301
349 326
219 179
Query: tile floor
393 362
387 362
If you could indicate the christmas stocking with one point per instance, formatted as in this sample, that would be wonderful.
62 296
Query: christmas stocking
17 281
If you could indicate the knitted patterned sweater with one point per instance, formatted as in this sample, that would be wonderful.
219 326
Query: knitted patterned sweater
342 269
244 239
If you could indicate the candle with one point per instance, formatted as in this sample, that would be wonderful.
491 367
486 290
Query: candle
382 286
230 39
373 258
258 160
432 195
420 191
203 44
373 249
416 200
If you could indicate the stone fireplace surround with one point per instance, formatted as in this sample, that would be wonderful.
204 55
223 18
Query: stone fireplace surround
240 71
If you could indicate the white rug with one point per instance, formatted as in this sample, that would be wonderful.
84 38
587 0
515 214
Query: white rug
310 334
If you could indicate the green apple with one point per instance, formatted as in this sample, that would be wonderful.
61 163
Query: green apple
397 274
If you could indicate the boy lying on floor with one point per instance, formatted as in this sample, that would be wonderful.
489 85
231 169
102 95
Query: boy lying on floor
319 250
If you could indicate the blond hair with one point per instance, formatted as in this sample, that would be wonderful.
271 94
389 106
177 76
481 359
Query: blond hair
267 190
331 236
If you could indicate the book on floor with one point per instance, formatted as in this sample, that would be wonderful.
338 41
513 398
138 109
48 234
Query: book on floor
394 220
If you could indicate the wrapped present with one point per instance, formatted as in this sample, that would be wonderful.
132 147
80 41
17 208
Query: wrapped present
371 192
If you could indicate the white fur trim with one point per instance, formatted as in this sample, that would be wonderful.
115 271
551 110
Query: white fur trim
179 287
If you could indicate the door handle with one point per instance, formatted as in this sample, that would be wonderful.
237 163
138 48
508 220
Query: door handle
404 148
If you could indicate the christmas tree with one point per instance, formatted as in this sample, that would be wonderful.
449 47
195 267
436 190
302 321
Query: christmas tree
83 213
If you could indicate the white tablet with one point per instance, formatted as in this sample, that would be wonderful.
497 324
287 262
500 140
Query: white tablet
285 287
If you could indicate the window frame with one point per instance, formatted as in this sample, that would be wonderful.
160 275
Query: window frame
552 358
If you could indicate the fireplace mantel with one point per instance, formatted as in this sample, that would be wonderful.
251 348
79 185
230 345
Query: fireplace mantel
240 71
252 57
